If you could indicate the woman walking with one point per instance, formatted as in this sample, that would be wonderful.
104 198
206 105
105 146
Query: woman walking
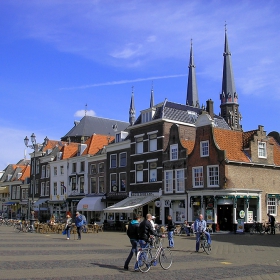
68 226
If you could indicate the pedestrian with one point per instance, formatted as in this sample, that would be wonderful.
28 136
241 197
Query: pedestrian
170 231
79 223
132 233
153 222
187 227
271 221
200 227
68 226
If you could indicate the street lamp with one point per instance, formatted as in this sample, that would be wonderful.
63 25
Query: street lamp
35 147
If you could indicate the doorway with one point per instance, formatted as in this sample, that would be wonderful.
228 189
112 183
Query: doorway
225 217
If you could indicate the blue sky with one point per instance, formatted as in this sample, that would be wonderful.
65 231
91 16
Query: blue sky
56 56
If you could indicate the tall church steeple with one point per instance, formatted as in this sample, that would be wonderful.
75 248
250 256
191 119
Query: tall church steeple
192 94
152 97
229 98
132 109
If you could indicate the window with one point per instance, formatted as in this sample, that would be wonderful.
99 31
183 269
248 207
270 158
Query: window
139 173
139 145
37 186
204 148
101 184
122 182
61 170
180 184
37 166
74 183
82 184
101 167
271 205
14 192
47 191
93 184
197 173
18 192
55 171
213 176
48 172
42 189
55 188
168 181
32 187
82 166
122 159
152 142
62 188
24 194
153 171
43 173
92 169
174 152
146 117
113 161
113 182
74 167
262 149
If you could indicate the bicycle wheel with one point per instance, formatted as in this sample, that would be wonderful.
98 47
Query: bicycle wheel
252 230
165 258
144 259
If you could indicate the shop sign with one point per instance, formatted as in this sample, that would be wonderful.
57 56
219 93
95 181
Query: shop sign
240 224
242 214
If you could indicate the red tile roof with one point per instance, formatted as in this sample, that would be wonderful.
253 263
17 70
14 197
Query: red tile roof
188 144
96 142
25 173
231 142
276 150
69 150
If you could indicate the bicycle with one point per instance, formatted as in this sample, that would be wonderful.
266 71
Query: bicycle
257 228
146 258
204 245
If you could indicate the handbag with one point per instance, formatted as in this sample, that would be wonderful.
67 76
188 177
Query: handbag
64 232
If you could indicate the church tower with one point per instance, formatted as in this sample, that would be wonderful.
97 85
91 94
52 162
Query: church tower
192 94
229 98
132 109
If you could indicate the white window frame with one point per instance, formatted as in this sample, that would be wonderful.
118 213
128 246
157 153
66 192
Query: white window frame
215 175
197 171
271 205
47 189
153 142
174 152
43 189
111 181
48 171
180 181
55 171
139 173
55 188
168 181
262 151
62 189
124 153
139 146
43 171
120 183
115 155
152 172
103 189
18 192
82 184
204 148
82 166
61 170
93 178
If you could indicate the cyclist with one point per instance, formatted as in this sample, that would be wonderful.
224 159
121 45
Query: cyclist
200 227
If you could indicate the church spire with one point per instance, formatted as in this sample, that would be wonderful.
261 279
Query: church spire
152 97
132 109
192 93
229 98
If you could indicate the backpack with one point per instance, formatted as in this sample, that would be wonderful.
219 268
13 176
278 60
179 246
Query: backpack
84 219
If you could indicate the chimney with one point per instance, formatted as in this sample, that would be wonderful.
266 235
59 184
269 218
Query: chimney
209 108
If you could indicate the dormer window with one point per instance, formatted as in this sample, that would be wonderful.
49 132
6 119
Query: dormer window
262 149
147 116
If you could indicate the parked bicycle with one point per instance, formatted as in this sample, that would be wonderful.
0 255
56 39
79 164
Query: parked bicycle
147 257
257 228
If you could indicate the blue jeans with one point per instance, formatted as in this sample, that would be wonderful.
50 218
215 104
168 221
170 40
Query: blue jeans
187 230
68 229
198 239
143 244
170 239
133 251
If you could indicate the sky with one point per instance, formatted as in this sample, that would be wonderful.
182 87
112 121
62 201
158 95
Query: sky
60 57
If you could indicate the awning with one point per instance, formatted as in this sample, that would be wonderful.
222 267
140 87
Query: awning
92 203
40 201
130 203
4 189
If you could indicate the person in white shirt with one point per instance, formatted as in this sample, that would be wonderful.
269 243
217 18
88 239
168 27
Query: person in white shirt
153 222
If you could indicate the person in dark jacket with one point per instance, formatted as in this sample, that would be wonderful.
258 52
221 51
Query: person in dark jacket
271 221
170 230
79 223
132 233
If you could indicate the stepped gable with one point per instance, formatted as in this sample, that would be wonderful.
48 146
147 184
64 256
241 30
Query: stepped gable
96 143
231 142
90 125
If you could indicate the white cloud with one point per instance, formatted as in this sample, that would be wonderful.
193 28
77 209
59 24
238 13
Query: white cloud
82 113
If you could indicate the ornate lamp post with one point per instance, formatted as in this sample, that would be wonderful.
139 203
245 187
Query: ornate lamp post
35 147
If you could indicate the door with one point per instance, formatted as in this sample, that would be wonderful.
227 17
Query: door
225 217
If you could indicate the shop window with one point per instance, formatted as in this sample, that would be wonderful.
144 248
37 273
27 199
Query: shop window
271 206
213 176
168 181
180 182
139 173
197 173
262 149
204 148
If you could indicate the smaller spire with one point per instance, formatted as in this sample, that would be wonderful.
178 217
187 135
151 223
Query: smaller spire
152 96
85 109
132 108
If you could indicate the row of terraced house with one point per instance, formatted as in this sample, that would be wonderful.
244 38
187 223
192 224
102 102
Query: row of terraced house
173 159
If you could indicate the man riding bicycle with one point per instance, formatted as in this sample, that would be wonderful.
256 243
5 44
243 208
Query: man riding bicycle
199 228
